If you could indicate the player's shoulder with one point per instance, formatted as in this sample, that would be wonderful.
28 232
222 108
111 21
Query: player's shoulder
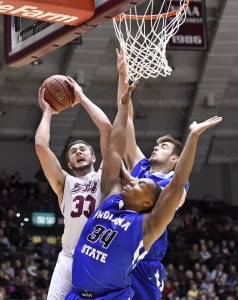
141 166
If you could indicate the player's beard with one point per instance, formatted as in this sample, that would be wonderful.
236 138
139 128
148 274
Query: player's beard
84 167
158 162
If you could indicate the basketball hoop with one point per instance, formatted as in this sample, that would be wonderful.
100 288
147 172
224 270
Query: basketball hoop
144 37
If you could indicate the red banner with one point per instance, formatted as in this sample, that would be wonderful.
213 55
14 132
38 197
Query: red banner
192 33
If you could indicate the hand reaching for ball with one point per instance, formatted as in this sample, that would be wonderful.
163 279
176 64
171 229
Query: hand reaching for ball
43 104
78 92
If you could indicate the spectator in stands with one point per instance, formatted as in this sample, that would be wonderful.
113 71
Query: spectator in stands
22 278
2 292
232 276
189 278
204 254
43 279
207 285
218 271
194 254
5 201
31 267
170 272
20 239
30 289
224 248
205 271
232 247
4 241
169 290
210 245
220 286
193 291
46 265
44 248
18 267
4 277
9 269
15 182
11 222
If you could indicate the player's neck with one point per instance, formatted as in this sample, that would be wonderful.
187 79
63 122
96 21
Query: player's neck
84 172
164 169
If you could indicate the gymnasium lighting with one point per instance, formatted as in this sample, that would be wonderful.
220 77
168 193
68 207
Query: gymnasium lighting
37 62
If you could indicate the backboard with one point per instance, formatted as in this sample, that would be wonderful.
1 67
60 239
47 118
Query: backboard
27 40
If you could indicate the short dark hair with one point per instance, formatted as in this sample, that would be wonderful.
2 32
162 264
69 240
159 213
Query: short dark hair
70 144
157 191
158 188
178 146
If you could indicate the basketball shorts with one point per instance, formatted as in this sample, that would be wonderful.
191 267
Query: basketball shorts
125 294
148 280
61 281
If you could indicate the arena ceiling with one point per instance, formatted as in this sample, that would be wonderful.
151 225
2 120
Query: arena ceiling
202 84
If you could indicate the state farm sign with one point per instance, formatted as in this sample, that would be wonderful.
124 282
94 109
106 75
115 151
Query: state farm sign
74 13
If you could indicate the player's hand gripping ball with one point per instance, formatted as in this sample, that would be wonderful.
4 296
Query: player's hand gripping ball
58 93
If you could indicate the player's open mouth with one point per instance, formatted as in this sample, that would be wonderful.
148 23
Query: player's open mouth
80 159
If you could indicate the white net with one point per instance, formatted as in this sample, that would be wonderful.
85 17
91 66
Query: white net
144 37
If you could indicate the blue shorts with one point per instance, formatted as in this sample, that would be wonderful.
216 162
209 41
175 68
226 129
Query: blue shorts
125 294
148 280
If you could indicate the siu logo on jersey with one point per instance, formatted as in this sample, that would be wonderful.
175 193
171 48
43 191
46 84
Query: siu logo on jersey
85 187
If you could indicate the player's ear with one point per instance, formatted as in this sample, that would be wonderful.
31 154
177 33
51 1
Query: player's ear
148 204
70 166
174 158
93 158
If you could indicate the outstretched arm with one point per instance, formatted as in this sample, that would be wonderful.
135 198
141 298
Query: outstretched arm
168 201
49 163
97 115
110 183
133 153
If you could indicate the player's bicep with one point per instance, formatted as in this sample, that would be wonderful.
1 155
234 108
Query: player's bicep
52 169
110 171
104 138
163 212
183 198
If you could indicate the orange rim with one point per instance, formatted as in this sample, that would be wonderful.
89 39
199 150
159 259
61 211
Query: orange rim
149 17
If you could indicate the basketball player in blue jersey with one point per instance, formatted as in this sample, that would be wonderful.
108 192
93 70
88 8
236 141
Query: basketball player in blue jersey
129 219
148 276
78 195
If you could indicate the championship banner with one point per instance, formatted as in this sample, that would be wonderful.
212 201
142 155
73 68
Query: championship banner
192 33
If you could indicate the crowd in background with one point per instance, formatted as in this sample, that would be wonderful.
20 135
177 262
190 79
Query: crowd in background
201 261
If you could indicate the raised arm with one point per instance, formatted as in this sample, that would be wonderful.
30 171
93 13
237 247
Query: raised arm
168 201
49 162
110 183
133 153
97 115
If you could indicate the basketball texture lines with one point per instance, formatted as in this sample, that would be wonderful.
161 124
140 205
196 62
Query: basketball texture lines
58 93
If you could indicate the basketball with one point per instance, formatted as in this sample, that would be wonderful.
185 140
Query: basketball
58 93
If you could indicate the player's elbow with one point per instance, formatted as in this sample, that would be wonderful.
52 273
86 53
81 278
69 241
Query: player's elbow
107 127
178 183
40 145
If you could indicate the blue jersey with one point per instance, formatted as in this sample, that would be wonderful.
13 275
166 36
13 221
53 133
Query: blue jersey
147 277
110 246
